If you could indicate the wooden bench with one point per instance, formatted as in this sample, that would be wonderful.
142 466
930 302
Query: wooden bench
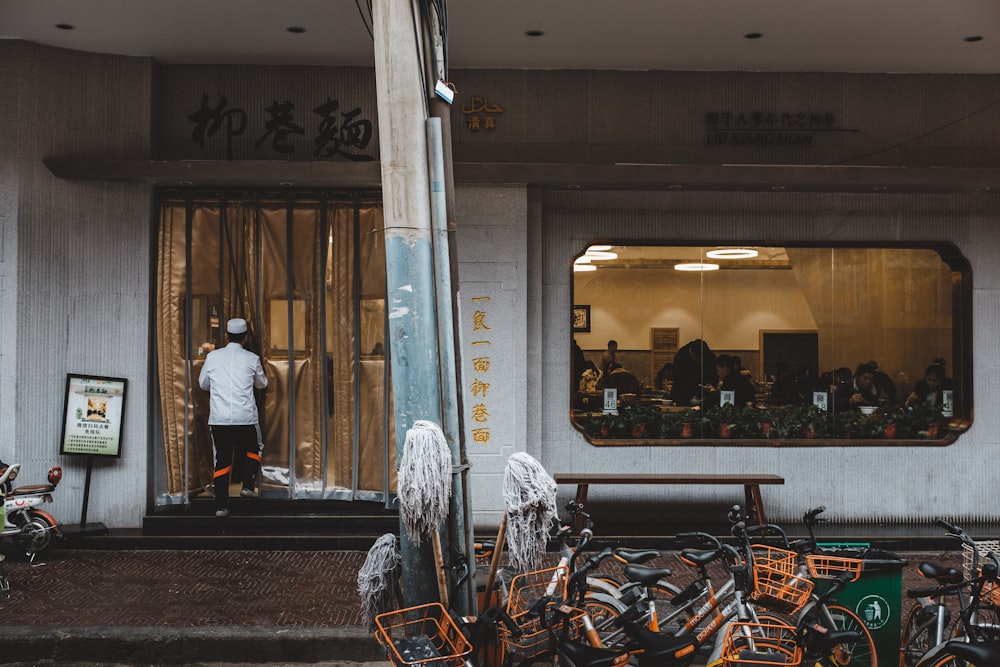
751 485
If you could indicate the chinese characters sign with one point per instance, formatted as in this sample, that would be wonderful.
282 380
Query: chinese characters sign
92 420
479 390
769 128
480 114
343 133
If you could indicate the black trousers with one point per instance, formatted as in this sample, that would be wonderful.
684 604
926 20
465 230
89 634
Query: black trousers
239 446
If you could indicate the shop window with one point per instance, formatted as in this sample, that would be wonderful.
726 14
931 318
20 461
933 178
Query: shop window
796 343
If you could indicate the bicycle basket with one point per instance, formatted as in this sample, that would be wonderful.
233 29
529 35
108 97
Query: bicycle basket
778 590
983 547
990 594
775 558
827 567
751 644
525 591
423 635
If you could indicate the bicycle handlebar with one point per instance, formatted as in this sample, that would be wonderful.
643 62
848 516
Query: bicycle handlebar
811 517
698 535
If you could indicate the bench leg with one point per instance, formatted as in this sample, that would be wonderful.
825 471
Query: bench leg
581 501
755 503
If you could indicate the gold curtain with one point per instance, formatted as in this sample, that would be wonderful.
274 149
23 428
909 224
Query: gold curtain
264 260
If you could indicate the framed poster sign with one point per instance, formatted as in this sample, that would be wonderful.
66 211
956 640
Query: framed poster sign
92 416
581 318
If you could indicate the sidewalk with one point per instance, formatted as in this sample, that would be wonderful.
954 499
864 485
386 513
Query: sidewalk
185 607
204 606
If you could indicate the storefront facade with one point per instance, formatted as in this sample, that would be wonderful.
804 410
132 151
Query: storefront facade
546 163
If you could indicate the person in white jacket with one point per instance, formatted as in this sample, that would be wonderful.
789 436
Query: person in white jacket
230 375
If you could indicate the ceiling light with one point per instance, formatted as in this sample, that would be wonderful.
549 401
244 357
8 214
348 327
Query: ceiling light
600 254
696 266
582 259
584 267
732 253
598 248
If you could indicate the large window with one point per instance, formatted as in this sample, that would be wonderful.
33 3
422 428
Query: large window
756 342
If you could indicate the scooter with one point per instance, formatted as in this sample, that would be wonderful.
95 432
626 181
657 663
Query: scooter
31 528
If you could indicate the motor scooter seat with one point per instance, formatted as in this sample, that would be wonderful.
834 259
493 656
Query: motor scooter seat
33 489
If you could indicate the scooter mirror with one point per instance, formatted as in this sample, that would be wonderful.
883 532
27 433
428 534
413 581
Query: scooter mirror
55 475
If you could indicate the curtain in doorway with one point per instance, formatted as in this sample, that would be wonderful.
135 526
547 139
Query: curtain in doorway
308 274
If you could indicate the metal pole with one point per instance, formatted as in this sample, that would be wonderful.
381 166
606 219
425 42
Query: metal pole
402 110
448 350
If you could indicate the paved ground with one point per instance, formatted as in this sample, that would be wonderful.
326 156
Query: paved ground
202 606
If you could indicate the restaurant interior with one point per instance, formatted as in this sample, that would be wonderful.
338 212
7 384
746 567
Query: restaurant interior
790 316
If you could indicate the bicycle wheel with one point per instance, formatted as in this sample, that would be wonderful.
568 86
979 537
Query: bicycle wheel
948 659
917 635
603 611
857 654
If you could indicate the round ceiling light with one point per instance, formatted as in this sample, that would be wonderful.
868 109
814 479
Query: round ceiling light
600 254
732 253
696 266
582 259
599 248
583 267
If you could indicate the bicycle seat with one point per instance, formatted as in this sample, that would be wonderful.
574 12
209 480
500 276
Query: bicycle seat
645 575
33 489
943 575
700 558
636 555
976 654
657 649
579 653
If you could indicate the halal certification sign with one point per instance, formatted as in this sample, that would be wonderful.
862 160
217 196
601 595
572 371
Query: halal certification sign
873 610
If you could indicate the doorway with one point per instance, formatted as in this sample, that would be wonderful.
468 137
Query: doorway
307 272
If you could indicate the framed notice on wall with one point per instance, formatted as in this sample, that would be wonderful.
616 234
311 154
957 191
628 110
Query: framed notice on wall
92 416
663 344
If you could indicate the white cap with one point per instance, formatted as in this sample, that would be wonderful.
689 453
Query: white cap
237 325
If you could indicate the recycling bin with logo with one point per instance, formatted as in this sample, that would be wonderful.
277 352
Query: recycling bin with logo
876 596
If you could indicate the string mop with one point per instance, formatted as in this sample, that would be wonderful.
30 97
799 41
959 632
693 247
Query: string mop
530 500
378 579
423 485
424 480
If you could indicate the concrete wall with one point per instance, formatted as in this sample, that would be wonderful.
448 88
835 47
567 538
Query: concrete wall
74 266
860 482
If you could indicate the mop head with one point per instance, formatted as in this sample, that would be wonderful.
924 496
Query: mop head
424 480
378 579
530 499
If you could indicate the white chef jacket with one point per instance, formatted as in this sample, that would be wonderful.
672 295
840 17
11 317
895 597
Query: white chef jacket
231 374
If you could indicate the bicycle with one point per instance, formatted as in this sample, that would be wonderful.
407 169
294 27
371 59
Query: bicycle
929 637
783 586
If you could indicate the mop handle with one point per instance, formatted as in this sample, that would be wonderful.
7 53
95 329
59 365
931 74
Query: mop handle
439 566
495 562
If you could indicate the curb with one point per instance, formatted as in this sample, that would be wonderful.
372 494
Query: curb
176 645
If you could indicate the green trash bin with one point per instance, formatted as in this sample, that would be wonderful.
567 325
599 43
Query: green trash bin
876 596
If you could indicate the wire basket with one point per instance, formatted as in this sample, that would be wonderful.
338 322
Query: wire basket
774 558
984 547
422 635
526 589
990 594
778 590
827 567
749 644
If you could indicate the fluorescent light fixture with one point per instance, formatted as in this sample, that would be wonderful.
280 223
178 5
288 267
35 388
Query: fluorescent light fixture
696 266
600 254
599 248
732 253
584 267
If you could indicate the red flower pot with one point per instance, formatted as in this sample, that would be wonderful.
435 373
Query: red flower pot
686 430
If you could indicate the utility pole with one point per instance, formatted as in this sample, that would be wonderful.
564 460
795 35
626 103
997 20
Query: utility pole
397 27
